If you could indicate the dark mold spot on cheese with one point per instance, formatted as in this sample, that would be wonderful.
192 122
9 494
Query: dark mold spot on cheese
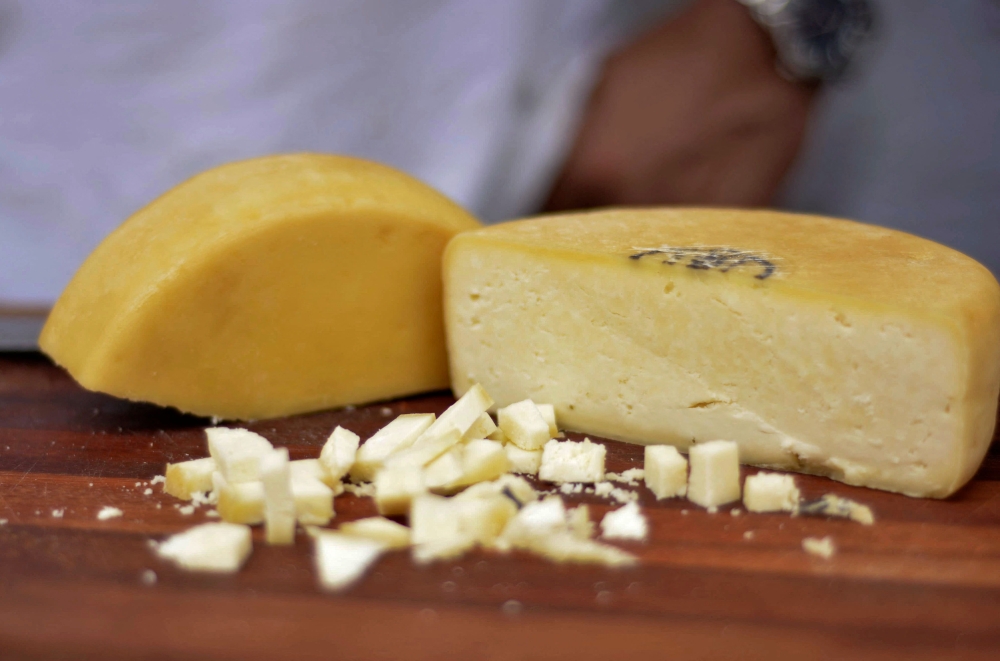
701 258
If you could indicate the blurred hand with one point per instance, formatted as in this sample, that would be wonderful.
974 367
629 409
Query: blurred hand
694 112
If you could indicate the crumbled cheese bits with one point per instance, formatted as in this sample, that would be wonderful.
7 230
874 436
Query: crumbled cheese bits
455 478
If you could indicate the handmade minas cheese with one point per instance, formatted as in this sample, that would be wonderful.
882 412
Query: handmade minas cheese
818 345
264 288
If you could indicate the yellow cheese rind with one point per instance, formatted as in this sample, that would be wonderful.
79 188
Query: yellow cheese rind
265 288
866 354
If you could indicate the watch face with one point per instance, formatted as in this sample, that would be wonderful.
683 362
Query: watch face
828 32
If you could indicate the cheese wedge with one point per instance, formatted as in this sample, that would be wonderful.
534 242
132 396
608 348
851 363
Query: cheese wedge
265 288
818 345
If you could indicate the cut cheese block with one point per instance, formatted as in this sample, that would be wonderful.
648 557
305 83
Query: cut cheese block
264 288
818 345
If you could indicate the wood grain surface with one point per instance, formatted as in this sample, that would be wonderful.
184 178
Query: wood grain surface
922 583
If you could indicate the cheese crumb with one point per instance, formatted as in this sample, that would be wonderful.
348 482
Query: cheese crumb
571 461
156 480
748 534
624 495
770 492
823 548
715 473
148 577
3 522
108 512
147 492
58 514
187 510
603 489
833 505
625 523
665 471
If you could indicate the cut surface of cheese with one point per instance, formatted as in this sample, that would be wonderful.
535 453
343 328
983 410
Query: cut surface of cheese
264 288
818 345
395 436
213 547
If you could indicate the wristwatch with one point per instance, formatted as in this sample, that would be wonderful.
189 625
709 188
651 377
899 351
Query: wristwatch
815 39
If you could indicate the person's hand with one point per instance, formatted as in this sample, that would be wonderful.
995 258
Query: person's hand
694 112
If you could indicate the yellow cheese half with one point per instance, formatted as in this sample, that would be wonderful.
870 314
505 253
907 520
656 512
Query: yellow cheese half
818 345
264 288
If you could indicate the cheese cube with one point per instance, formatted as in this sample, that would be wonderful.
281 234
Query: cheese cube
337 455
426 449
564 546
770 492
483 427
395 487
482 460
442 473
626 523
343 559
498 436
265 288
279 505
434 518
571 461
538 519
239 502
820 547
513 487
386 531
313 500
523 461
442 549
549 415
237 452
715 473
665 471
213 547
464 413
303 468
397 435
833 347
187 477
523 425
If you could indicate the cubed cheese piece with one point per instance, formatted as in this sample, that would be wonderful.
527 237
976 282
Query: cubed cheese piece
572 461
523 425
265 288
770 492
483 427
464 413
537 519
484 516
187 477
397 435
313 500
442 549
393 535
444 472
511 486
822 345
626 523
544 528
548 412
302 468
434 518
279 505
337 455
665 471
396 487
482 460
239 502
213 547
498 436
523 461
715 473
237 452
343 559
426 449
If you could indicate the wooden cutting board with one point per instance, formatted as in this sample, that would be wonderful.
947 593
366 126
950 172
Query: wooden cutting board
922 583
